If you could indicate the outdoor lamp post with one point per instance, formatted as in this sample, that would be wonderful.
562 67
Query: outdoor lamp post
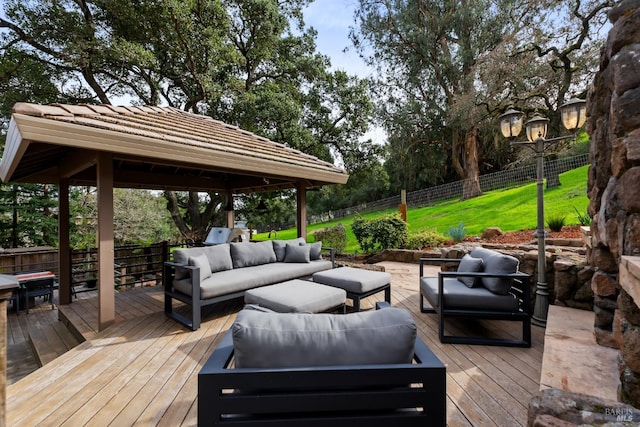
573 115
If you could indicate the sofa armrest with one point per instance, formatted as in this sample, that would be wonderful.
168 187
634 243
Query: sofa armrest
332 254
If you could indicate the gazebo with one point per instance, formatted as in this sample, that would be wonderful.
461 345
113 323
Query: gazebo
145 147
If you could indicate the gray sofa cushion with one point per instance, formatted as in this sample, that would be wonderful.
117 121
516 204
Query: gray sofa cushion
315 252
279 246
495 262
468 264
247 254
297 253
219 257
457 296
268 340
202 263
241 279
356 280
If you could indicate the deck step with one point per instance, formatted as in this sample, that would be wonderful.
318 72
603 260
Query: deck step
572 360
51 341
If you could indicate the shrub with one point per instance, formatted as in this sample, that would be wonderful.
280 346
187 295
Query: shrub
458 233
424 239
556 222
381 233
583 219
333 237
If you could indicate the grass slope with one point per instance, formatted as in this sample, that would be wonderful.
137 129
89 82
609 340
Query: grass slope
511 209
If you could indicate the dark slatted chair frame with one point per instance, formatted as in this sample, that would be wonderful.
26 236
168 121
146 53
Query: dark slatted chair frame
372 395
520 289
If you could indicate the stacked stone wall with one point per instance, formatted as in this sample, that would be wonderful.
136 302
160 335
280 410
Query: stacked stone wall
614 176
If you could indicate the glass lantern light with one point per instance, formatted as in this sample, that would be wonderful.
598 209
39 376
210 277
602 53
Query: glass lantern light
574 114
537 128
511 123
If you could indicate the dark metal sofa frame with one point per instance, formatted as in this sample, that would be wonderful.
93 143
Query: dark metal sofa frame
372 395
194 299
520 289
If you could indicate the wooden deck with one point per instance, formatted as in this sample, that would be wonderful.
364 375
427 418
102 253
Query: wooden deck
143 370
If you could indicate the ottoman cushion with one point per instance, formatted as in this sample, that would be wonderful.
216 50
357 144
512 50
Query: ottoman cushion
296 296
355 280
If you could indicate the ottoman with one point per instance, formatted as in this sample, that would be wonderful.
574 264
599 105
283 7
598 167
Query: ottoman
297 296
358 282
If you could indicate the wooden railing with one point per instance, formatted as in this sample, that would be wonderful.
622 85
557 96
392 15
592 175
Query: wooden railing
136 265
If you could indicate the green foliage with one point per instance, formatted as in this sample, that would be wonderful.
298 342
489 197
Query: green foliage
457 233
583 219
511 210
385 232
424 239
332 237
555 222
27 215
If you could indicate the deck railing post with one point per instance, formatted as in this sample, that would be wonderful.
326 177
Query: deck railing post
7 285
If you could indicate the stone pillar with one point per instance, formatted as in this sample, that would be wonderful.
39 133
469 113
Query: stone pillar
614 174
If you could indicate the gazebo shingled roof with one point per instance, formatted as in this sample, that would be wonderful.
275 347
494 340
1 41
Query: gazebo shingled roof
154 148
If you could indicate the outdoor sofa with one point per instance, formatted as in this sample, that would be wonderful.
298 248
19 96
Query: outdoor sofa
486 285
292 369
206 275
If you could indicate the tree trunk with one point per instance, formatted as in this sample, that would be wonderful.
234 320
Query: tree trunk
465 161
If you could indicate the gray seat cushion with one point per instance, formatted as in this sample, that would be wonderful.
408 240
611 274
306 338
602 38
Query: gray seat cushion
269 340
296 296
495 262
356 280
458 296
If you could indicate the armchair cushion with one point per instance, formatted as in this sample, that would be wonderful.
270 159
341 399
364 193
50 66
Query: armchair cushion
458 296
495 262
468 264
271 340
297 253
247 254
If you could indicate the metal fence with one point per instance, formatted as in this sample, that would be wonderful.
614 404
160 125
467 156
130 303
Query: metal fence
488 182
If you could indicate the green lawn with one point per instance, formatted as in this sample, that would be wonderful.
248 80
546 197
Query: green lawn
511 210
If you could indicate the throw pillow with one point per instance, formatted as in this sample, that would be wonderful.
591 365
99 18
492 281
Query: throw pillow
468 264
314 252
295 253
279 246
202 262
496 262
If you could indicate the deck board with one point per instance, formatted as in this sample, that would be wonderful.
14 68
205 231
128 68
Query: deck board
143 369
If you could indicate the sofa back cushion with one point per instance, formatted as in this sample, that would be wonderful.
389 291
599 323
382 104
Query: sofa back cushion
246 254
280 246
273 340
496 262
219 257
